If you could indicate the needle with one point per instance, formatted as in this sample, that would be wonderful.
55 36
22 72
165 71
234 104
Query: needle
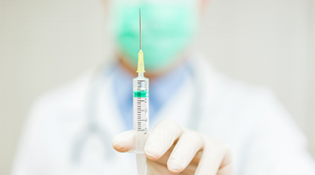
140 27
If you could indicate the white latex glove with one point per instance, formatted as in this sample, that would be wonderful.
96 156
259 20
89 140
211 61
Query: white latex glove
173 149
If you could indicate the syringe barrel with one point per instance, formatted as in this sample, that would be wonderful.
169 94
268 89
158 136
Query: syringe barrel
140 112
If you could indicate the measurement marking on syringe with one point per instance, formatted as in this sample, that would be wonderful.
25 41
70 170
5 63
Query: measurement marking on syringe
141 112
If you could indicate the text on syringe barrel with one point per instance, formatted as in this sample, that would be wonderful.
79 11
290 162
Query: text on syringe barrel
141 119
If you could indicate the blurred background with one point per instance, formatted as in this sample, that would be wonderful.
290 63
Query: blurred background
45 43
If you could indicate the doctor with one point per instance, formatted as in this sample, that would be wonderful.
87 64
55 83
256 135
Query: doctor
203 122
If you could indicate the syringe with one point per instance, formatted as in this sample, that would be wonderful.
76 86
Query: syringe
140 110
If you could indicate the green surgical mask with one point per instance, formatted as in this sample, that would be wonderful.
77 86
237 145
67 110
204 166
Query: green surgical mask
167 29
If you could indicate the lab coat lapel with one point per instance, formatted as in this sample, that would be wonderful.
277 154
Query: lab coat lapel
178 108
108 115
109 118
109 124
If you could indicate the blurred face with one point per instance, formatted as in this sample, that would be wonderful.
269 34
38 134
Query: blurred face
168 27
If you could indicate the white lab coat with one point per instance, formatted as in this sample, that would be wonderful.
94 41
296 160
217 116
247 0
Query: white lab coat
263 138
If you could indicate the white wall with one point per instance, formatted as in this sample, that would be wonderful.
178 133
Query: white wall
45 43
311 128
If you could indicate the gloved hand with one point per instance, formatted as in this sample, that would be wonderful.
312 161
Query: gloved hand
171 148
